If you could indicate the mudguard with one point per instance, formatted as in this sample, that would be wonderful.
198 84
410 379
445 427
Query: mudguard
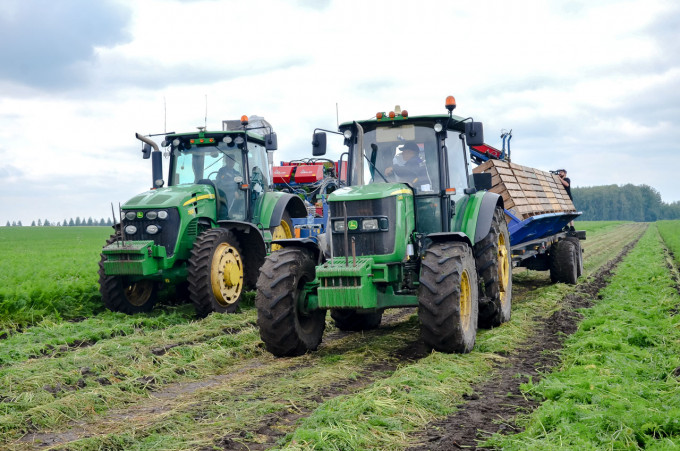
250 238
489 203
445 236
287 202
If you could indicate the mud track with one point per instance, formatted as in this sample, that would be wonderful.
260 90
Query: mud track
494 404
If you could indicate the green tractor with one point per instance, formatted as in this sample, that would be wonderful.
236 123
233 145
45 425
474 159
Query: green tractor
413 227
209 231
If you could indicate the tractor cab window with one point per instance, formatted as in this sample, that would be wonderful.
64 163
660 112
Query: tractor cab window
402 154
221 166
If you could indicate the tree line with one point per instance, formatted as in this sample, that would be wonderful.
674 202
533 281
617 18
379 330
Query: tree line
65 223
639 203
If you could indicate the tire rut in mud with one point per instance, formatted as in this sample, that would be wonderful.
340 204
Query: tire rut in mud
492 406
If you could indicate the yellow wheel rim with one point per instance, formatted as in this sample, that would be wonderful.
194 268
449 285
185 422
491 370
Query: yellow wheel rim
503 267
465 300
226 274
139 293
281 232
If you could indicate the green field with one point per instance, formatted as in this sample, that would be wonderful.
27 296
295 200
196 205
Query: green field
49 272
670 232
618 384
80 377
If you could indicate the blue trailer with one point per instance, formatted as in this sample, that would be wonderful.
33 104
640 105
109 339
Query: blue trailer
543 242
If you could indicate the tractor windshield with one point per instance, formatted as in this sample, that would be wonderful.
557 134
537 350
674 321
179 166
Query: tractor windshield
406 153
221 166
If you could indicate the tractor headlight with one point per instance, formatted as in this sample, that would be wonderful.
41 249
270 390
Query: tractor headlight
151 215
130 229
162 214
130 215
152 229
369 224
339 226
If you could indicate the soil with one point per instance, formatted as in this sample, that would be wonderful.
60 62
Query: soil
492 406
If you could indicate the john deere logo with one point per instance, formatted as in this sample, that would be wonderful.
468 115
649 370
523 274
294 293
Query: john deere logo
352 225
140 214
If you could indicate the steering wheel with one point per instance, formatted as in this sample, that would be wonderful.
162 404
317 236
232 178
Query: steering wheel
211 174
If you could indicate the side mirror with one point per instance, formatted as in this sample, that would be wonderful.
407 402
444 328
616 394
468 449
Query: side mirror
319 144
482 180
146 151
474 133
270 141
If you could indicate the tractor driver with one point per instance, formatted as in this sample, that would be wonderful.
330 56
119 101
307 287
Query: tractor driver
227 182
412 170
227 174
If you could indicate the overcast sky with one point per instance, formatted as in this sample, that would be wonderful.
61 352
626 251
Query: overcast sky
590 86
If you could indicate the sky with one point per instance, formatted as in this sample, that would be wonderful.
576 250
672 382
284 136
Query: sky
589 86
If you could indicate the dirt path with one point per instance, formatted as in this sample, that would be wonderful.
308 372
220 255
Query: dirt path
494 404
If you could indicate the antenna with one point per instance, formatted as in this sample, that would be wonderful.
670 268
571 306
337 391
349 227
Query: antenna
206 112
165 116
337 115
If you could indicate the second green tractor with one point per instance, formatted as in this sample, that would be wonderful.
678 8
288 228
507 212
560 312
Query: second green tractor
413 227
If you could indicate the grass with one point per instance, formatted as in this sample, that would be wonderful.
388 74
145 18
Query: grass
48 272
670 232
617 387
112 363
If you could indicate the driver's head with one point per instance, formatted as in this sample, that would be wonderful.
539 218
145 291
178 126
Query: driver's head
410 150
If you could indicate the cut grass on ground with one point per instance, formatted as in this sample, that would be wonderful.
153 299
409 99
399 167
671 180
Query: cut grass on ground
618 385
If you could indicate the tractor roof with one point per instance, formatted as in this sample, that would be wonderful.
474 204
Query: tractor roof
384 119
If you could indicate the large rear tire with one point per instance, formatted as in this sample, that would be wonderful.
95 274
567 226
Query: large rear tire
352 320
563 262
448 297
494 270
284 327
121 293
215 273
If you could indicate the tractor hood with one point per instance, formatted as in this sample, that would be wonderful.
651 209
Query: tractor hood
172 196
372 191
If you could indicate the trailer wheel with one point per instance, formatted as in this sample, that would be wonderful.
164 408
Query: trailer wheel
579 254
352 320
285 328
448 297
563 262
215 272
121 294
494 271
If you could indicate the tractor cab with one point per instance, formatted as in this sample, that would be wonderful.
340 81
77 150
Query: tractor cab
233 161
426 153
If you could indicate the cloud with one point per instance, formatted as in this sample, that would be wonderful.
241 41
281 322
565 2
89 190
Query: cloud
50 44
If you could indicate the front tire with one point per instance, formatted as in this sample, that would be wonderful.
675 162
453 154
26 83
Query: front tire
448 298
215 272
121 294
494 269
284 327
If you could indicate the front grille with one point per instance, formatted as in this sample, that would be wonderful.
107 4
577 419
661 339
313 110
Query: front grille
166 237
366 243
